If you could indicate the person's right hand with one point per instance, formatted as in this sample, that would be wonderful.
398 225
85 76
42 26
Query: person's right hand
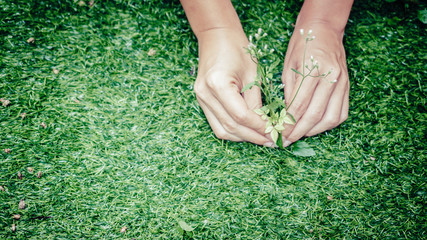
224 69
322 103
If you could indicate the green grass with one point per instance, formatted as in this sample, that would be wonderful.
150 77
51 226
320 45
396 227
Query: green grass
126 143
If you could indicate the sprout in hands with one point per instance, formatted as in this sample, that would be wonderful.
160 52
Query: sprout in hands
274 109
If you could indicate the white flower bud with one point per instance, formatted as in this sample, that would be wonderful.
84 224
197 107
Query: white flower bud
310 31
301 31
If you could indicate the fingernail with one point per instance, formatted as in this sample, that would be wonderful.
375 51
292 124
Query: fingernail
270 144
287 143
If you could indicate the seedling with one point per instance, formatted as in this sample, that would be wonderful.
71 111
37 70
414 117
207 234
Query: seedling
275 110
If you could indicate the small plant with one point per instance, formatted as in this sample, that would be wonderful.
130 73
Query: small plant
274 109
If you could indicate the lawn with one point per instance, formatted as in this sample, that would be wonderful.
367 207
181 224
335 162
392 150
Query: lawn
102 136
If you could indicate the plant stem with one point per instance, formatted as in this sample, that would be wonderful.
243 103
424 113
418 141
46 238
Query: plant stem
303 75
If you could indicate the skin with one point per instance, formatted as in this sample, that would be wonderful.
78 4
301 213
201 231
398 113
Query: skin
225 67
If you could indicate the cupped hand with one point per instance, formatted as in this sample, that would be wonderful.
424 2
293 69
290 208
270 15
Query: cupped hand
321 103
224 68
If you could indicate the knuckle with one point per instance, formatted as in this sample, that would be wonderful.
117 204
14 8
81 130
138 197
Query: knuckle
221 135
314 116
209 82
335 76
332 122
230 127
284 79
298 108
199 88
241 117
213 80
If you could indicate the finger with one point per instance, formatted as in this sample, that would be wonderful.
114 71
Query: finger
226 128
334 115
316 110
346 105
254 101
229 98
288 79
217 126
252 98
298 101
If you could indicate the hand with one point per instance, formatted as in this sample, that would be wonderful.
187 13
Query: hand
224 68
322 103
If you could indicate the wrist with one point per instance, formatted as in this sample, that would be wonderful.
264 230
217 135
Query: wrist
316 25
332 14
320 29
220 34
205 16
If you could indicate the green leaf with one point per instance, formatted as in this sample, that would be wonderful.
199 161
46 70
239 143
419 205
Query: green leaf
259 72
279 127
288 120
293 119
268 124
293 69
249 86
422 16
274 65
264 108
277 103
302 149
274 135
184 226
259 111
283 113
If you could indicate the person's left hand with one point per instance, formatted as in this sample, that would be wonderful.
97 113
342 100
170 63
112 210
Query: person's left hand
322 103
